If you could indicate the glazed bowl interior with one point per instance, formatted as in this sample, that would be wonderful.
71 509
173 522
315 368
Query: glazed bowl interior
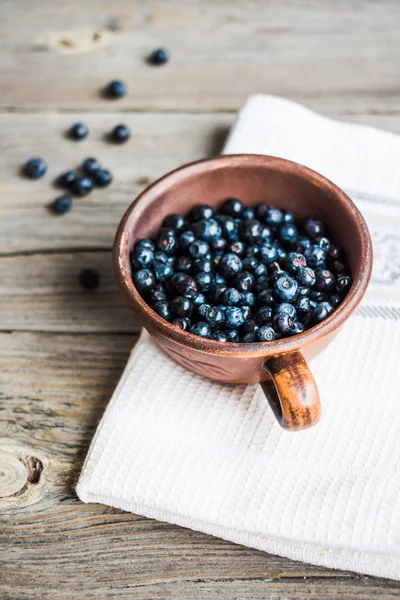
253 179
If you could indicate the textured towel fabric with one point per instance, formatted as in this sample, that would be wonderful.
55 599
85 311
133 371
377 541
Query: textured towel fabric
179 448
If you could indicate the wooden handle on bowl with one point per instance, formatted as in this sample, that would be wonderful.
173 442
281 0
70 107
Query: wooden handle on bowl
294 395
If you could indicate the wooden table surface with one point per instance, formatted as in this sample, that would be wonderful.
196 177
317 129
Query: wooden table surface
62 349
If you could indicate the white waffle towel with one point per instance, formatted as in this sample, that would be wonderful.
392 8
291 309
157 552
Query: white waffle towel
178 448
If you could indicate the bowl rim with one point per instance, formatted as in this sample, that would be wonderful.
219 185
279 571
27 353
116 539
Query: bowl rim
122 267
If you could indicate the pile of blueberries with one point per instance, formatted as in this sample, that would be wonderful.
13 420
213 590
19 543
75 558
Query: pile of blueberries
241 274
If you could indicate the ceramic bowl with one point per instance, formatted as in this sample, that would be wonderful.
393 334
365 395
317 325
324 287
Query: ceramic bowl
280 366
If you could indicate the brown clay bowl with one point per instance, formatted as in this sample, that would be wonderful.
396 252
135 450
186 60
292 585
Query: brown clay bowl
254 179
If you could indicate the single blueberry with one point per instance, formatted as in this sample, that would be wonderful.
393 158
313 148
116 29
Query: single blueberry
338 267
324 243
317 295
230 265
274 216
297 327
219 279
265 334
250 231
205 281
89 279
334 300
305 276
262 283
161 256
288 233
142 256
264 315
288 217
82 186
201 329
120 134
66 179
186 286
184 264
321 312
144 280
295 261
343 284
185 239
199 249
303 244
35 168
228 226
175 222
234 317
248 213
313 228
285 288
166 241
78 131
158 57
325 280
305 304
266 298
182 323
216 293
253 250
244 282
162 308
102 178
219 336
198 300
181 306
207 229
116 89
231 334
268 253
232 207
90 166
236 247
156 295
61 205
145 243
315 256
246 299
287 308
282 323
201 211
162 270
231 296
214 316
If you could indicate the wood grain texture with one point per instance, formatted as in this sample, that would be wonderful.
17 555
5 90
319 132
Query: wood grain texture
159 143
54 389
333 54
55 380
48 284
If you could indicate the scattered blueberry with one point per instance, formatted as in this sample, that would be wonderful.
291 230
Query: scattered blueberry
102 177
202 329
61 205
120 134
35 168
66 180
90 166
158 57
78 131
82 186
89 279
116 89
181 306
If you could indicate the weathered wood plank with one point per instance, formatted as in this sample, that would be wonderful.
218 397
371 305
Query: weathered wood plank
42 293
54 389
160 142
327 54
